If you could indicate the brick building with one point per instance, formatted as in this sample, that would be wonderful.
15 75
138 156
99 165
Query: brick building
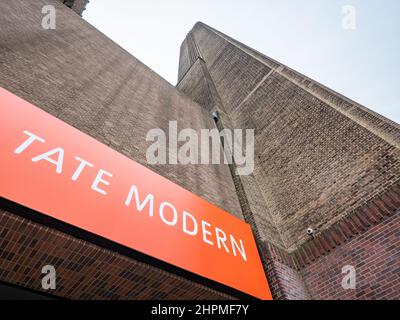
322 161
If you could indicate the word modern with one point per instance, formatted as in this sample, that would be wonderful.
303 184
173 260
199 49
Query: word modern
166 211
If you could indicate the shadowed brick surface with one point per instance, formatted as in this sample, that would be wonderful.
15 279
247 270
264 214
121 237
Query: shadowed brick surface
366 240
80 76
83 78
84 271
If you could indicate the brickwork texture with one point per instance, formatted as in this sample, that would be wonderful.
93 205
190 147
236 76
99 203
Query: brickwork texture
321 160
83 78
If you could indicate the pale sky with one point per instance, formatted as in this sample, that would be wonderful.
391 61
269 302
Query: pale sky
306 35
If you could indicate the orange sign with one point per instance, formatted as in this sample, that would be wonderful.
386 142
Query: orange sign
51 167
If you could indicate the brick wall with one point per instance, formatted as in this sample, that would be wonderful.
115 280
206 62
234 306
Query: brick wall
83 78
284 278
375 255
366 240
320 155
84 270
322 161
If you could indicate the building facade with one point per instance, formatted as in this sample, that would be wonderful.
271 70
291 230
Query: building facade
322 162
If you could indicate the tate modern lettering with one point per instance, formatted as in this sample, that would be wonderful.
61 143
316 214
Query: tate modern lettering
59 171
240 178
166 211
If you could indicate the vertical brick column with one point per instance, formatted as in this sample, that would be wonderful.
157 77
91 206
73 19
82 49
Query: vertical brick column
321 161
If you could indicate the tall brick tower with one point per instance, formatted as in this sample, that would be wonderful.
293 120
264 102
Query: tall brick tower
323 162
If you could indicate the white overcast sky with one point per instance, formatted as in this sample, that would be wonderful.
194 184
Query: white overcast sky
306 35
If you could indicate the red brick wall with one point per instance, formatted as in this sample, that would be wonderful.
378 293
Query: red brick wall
375 255
291 285
367 240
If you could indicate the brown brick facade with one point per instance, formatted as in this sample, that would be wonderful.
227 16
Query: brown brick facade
83 78
333 154
321 160
84 271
